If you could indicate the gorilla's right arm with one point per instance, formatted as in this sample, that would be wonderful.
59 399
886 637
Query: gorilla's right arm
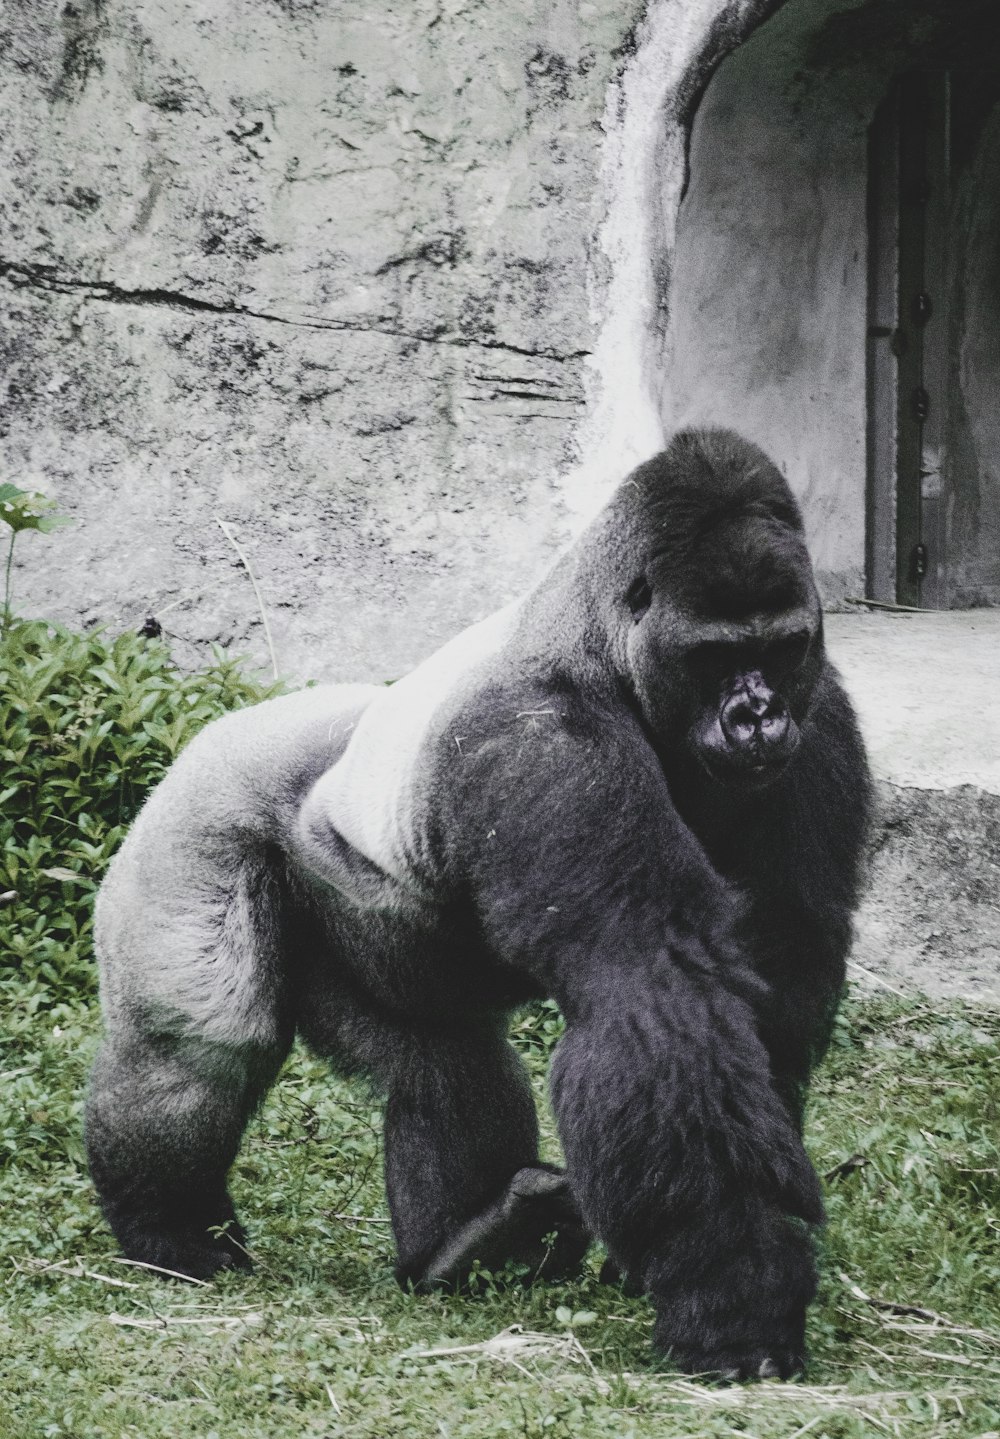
681 1153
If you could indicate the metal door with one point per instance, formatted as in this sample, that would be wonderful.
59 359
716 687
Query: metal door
907 354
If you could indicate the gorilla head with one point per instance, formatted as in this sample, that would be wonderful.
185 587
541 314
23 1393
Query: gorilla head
711 611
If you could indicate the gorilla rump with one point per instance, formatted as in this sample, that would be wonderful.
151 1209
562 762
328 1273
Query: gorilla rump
640 790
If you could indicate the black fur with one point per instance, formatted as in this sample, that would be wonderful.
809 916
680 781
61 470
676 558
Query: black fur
642 793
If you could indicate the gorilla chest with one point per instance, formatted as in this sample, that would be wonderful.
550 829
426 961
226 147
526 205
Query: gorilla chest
414 958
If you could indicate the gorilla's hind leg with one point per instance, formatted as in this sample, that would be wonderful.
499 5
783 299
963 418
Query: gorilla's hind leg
164 1122
464 1180
535 1221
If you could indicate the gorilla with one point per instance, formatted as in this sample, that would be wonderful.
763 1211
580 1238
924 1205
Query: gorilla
641 791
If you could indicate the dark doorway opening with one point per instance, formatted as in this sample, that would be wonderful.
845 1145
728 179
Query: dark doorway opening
933 351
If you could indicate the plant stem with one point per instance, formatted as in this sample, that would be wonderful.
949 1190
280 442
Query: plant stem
227 530
6 588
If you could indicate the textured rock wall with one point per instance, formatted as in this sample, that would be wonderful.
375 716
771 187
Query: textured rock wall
318 269
396 291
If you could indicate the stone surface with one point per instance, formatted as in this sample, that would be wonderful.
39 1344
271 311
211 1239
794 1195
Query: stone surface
776 198
382 289
320 271
930 919
767 308
927 691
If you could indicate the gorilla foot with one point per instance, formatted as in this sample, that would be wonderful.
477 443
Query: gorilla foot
535 1222
742 1347
184 1249
737 1367
612 1273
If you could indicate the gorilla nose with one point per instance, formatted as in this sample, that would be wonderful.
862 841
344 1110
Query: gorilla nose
753 717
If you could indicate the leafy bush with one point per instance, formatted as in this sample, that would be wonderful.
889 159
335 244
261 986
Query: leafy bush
537 1030
88 724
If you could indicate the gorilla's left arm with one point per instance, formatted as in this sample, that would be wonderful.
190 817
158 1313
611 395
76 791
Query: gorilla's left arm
682 1154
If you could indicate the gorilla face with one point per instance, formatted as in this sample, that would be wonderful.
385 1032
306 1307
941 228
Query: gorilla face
750 702
723 655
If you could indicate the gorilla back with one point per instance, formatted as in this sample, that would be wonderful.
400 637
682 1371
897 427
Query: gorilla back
641 791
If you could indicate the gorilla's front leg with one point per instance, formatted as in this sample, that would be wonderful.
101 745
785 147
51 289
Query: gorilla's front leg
686 1162
462 1173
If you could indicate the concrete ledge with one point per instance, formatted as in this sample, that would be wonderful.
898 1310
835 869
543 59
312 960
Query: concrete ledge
927 691
930 919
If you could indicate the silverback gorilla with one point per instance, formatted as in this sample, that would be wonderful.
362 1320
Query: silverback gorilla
641 791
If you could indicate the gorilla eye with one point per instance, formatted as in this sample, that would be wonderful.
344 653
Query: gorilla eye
639 598
788 654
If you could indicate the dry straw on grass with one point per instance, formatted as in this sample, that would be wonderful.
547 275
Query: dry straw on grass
525 1350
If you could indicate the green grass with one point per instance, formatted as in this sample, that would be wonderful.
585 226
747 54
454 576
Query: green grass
320 1342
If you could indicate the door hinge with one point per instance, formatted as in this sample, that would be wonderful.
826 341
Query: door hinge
921 308
920 401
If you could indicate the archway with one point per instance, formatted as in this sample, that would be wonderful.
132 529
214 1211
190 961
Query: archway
835 287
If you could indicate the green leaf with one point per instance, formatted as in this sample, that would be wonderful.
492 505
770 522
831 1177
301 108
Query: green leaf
28 510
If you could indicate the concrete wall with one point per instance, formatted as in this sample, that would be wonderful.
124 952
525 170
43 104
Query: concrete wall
377 285
767 291
318 269
769 283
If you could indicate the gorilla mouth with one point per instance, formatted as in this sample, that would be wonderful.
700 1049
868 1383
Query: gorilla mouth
740 771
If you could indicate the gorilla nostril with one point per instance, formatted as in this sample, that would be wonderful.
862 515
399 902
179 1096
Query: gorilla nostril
749 719
739 721
774 723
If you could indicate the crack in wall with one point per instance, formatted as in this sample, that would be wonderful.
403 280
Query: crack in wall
48 278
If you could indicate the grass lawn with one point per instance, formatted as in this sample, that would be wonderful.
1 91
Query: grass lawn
905 1339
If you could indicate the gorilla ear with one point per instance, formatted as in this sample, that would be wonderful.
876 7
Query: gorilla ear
639 598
